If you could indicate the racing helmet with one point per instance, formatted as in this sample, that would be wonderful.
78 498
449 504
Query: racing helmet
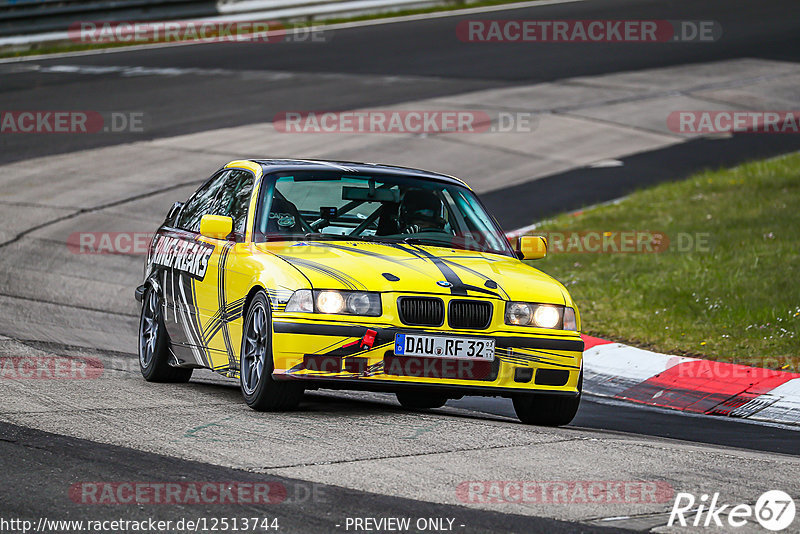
420 205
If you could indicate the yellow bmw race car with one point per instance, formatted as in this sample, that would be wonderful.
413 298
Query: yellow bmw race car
294 274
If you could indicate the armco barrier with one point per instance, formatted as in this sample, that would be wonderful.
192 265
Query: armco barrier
19 17
27 22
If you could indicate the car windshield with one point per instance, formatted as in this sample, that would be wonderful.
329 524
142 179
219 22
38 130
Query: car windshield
394 209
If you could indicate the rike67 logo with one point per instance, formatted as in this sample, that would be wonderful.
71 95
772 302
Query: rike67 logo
774 510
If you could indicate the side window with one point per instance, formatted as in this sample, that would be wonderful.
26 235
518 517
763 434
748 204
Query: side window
201 203
234 199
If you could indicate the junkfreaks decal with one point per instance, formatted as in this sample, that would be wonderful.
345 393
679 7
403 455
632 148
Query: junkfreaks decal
190 257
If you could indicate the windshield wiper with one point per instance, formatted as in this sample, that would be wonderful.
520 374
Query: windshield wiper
317 236
411 240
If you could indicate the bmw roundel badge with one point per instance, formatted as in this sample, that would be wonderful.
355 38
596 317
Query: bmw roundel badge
444 283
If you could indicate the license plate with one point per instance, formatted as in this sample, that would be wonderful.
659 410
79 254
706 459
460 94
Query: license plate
458 348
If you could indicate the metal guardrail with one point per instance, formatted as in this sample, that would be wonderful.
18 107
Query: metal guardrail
19 17
24 23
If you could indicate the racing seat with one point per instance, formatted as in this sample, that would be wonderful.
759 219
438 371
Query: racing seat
284 218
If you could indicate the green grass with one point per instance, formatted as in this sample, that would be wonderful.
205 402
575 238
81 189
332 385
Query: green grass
736 300
452 5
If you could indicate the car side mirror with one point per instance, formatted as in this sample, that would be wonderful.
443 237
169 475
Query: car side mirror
172 214
216 226
531 247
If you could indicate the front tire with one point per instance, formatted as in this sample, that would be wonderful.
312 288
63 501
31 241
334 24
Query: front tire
260 391
420 401
547 410
154 350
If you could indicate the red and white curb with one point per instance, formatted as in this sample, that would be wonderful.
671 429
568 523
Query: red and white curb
689 384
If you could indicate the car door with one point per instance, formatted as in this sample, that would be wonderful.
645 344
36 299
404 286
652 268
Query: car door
220 295
182 256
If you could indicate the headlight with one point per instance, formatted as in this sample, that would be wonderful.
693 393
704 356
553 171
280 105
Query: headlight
539 315
547 316
301 301
330 302
335 302
359 303
518 313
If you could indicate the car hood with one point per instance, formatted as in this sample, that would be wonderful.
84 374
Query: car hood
359 265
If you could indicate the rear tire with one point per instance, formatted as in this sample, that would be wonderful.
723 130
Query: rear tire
547 410
420 401
260 391
154 353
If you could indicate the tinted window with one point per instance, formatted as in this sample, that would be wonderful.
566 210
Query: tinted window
383 208
233 199
201 203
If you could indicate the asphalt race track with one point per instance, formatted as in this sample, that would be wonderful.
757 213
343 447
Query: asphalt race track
343 455
375 66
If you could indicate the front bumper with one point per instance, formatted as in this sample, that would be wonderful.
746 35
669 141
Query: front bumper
360 356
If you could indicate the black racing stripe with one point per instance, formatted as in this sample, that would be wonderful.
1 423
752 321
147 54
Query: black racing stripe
299 367
372 254
478 274
483 290
385 336
228 314
504 352
374 369
539 343
283 327
193 314
213 329
444 266
339 276
196 326
456 285
513 360
213 326
222 317
543 351
413 251
226 335
353 349
275 297
530 359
